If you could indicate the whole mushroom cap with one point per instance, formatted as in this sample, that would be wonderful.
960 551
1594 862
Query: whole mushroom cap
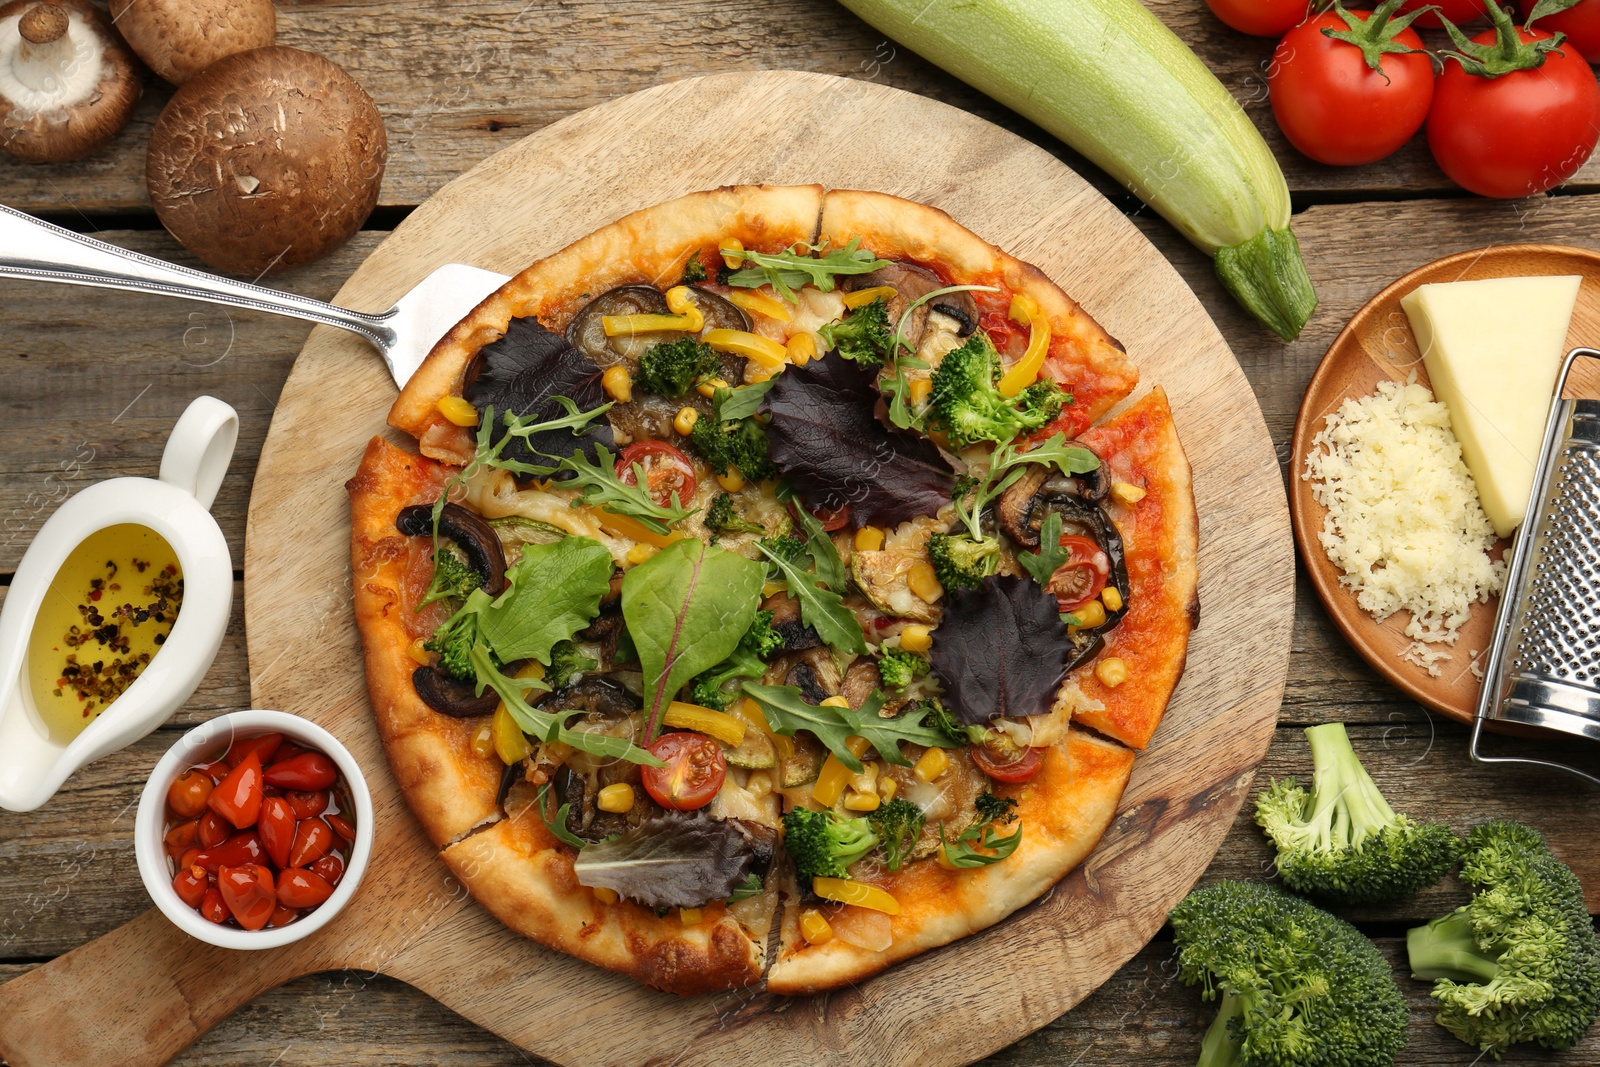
67 84
180 38
266 160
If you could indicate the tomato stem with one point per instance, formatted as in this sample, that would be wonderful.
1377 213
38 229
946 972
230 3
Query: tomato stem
1509 52
1375 35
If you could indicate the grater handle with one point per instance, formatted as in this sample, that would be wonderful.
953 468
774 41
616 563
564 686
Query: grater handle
1479 757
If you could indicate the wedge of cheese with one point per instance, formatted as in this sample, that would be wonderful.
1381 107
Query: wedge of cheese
1493 349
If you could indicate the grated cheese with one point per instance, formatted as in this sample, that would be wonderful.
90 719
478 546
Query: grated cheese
1404 524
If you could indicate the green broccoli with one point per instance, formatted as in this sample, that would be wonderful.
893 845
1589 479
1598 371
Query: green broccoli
899 669
672 369
693 271
1520 962
1341 841
968 406
452 577
898 824
740 445
935 714
1299 987
759 642
824 845
993 808
723 518
959 562
453 641
566 660
790 547
862 336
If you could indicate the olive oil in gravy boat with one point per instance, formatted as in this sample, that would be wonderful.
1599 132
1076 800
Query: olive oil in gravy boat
177 507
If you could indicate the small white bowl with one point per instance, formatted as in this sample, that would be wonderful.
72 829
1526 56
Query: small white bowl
205 742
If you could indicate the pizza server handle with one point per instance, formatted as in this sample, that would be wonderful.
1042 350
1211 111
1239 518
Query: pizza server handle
37 251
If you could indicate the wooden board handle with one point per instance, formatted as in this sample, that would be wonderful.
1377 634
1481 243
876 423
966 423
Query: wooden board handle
136 996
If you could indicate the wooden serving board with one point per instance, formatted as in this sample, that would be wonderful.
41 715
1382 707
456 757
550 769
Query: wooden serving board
144 991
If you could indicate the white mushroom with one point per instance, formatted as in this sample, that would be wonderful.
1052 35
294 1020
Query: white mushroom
266 160
67 85
180 38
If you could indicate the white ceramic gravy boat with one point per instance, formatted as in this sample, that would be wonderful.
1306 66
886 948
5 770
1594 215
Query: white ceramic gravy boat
177 506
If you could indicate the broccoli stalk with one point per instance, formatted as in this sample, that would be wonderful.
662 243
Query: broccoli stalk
961 562
969 407
862 336
898 825
1520 962
452 577
722 518
1342 841
759 642
898 669
824 845
1299 987
673 368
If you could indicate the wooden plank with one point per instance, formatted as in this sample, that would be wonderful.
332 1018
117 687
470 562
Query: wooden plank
457 82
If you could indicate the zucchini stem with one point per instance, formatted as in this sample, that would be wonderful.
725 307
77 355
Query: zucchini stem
1268 277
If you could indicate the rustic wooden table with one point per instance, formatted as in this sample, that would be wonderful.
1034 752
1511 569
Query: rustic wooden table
91 382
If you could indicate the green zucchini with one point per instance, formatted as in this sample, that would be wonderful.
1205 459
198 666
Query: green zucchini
1109 79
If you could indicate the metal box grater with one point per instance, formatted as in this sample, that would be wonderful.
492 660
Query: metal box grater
1543 667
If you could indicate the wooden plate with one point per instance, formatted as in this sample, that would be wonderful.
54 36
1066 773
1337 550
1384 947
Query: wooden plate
412 921
1375 346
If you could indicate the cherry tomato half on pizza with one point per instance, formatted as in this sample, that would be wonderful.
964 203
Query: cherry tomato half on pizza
667 471
694 771
1084 574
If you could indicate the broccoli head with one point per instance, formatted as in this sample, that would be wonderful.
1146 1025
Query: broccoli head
862 336
740 445
452 577
969 407
566 660
1520 962
898 668
672 369
993 808
693 271
1299 987
898 824
824 845
1341 841
746 661
723 518
959 562
453 641
932 712
790 547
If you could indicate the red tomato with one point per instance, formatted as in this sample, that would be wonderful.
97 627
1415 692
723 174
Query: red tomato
242 848
1581 24
1080 579
1260 18
213 830
191 884
1335 108
306 805
1007 762
216 770
667 471
265 746
695 768
212 908
237 797
330 868
303 773
277 826
190 854
182 835
837 519
188 793
249 894
302 889
1521 133
1459 12
312 838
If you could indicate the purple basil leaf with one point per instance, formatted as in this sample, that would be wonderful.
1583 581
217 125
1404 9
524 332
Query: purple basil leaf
669 861
520 373
826 438
1000 650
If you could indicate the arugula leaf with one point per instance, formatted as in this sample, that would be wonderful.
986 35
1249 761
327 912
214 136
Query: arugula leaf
687 607
599 484
1044 563
547 726
788 270
558 826
1007 466
821 608
825 560
786 710
963 853
731 405
898 386
551 593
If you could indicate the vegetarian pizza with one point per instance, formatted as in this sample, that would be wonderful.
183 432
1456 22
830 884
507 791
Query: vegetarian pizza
769 594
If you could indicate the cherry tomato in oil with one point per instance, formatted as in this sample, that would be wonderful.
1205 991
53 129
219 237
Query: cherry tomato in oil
190 883
238 797
188 793
249 894
213 830
282 916
306 805
212 908
329 868
242 848
302 889
265 746
312 839
182 835
341 826
276 826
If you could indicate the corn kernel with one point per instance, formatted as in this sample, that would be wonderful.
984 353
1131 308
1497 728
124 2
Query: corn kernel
731 244
802 349
483 741
916 638
814 928
680 301
458 410
685 420
1112 671
691 916
1126 493
760 784
731 480
836 702
854 801
615 798
618 383
924 582
921 389
639 553
931 765
1111 598
1091 614
417 652
604 895
709 387
862 297
887 788
869 539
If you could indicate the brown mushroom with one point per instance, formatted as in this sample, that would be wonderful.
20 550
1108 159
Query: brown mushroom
67 85
1023 507
179 38
451 696
476 539
266 160
910 283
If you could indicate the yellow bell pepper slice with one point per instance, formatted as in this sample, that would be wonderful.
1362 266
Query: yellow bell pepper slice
765 351
622 325
633 529
759 304
862 297
717 724
1025 372
861 894
510 744
834 775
